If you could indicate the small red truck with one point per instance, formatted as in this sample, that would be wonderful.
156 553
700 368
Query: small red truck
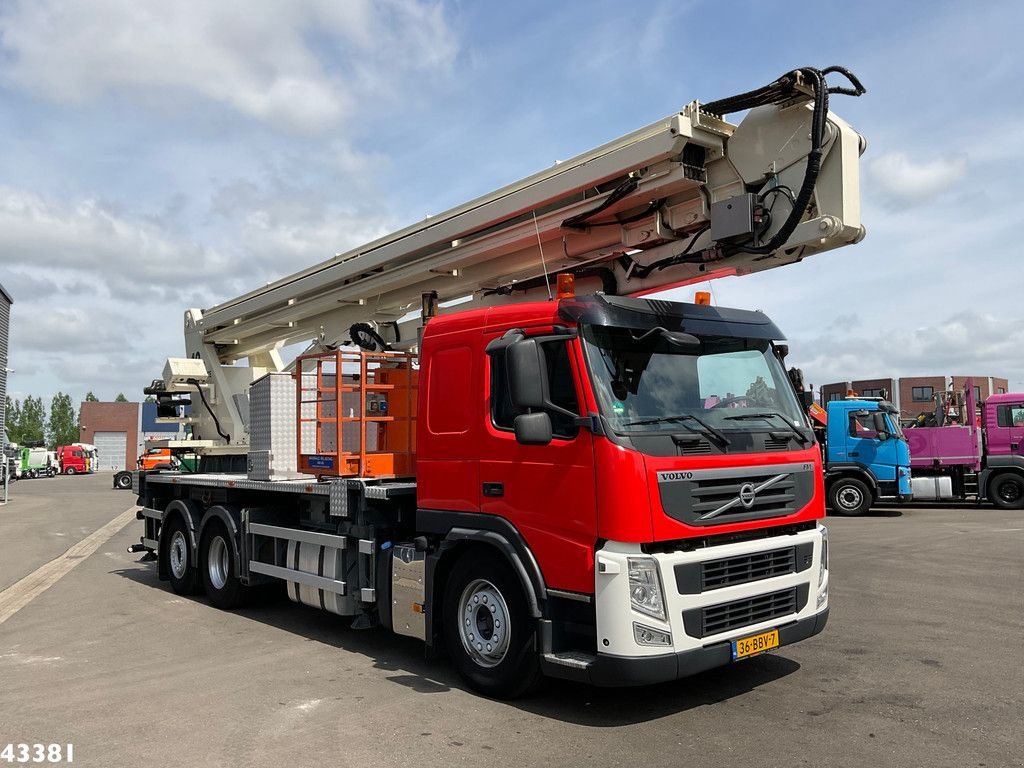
76 459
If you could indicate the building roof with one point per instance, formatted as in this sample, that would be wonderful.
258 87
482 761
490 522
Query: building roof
5 294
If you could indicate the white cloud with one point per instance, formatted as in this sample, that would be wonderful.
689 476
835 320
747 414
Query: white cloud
906 180
965 343
297 65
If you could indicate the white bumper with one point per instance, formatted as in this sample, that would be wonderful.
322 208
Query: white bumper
689 586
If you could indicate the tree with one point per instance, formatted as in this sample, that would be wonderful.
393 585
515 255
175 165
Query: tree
32 424
12 415
150 399
120 398
91 398
62 428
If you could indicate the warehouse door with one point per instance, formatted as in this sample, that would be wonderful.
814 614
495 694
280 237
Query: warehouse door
112 448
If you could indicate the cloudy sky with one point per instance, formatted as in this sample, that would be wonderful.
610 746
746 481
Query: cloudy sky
157 156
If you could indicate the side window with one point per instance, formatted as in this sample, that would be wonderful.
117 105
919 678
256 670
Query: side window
1010 415
503 413
561 388
862 426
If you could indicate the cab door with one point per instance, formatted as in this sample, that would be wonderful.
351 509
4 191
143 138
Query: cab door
864 447
545 491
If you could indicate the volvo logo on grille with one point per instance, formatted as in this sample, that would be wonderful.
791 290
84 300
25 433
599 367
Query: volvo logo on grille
747 495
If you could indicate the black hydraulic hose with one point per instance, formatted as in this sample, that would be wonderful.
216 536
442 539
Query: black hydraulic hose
216 422
579 221
777 92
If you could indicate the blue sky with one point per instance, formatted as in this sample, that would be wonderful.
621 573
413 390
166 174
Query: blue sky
158 156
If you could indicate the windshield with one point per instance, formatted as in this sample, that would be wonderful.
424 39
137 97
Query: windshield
648 382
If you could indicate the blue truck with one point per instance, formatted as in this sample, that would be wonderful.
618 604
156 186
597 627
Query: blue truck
865 453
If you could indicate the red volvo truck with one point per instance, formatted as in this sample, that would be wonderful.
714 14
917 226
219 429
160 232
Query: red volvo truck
558 475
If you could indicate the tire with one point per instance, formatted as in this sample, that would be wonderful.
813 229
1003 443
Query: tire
849 496
69 471
483 602
1006 490
218 569
176 552
124 481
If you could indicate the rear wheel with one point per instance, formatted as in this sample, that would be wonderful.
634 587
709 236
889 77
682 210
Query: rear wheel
1007 491
849 496
177 554
218 568
488 630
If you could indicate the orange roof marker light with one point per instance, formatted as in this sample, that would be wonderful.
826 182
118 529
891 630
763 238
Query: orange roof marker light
566 286
702 297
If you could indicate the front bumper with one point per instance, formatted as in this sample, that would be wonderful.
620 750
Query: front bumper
622 671
711 597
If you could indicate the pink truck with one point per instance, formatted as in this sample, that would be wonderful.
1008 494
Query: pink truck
974 451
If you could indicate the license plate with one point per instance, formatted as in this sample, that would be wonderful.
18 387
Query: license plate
755 644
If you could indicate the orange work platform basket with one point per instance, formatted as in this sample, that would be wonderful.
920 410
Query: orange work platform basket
356 413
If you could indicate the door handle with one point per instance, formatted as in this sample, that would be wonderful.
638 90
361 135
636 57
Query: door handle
1014 446
854 453
494 490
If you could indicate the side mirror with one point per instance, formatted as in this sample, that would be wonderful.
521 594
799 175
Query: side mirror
526 375
806 399
533 428
881 427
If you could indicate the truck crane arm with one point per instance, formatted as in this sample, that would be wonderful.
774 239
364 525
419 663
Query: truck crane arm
691 197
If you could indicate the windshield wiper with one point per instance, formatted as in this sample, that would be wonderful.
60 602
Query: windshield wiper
769 414
707 431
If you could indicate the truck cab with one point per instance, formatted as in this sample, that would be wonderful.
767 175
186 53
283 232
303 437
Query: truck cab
865 454
1003 474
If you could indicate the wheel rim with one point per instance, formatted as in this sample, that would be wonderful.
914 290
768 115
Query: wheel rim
1009 491
217 562
179 554
849 497
483 623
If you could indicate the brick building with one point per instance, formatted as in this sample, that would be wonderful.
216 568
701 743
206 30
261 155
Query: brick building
114 429
914 395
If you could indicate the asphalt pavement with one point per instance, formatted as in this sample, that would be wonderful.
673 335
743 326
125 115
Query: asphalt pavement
919 666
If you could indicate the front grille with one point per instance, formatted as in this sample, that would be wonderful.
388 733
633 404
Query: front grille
717 496
694 578
715 619
746 568
776 443
711 495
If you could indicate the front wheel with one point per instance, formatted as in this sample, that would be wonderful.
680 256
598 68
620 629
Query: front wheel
124 481
489 633
849 496
69 471
218 569
1007 490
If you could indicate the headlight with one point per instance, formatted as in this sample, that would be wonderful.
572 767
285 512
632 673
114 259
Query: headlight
645 593
824 555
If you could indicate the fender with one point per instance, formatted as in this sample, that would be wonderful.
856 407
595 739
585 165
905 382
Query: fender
994 465
188 511
1005 462
229 516
835 471
492 531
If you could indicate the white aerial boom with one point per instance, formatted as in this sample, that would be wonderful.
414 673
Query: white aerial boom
688 198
